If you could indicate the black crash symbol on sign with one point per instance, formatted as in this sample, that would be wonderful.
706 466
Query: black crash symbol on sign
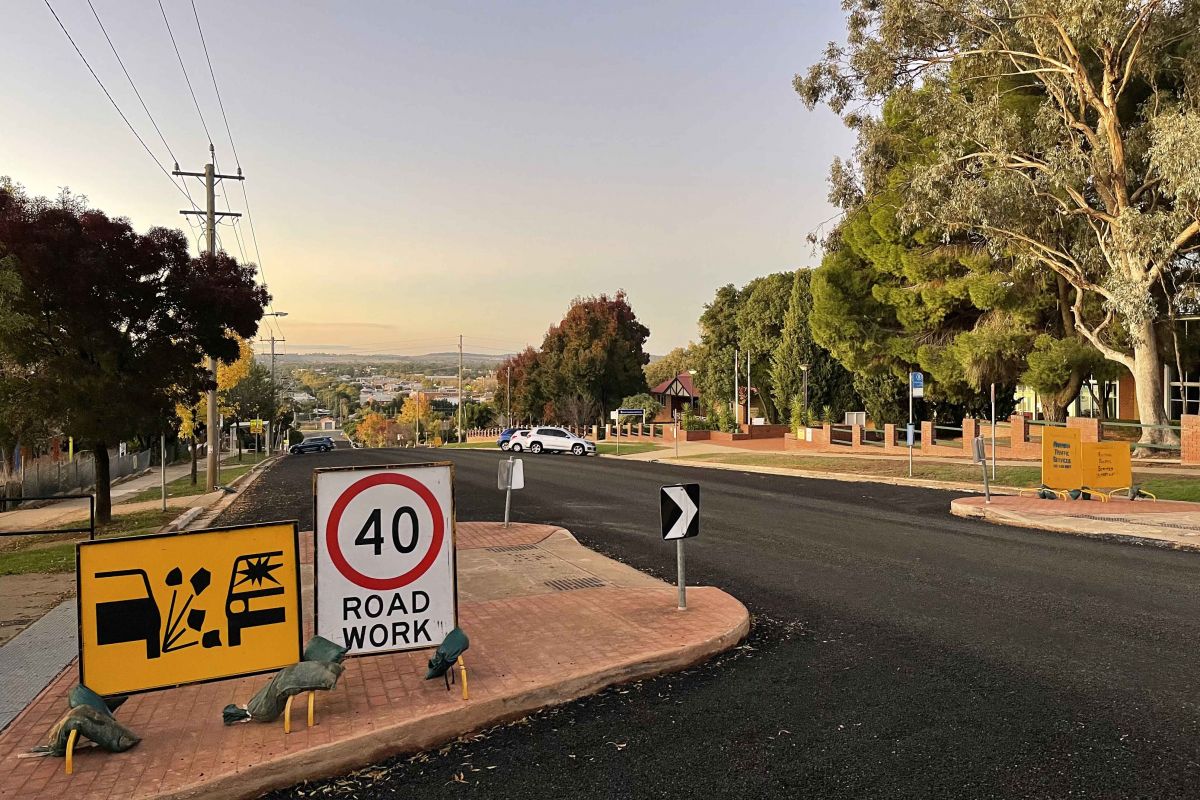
140 617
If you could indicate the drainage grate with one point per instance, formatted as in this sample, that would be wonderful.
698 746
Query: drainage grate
567 584
513 548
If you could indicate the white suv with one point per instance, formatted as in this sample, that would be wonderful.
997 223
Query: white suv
556 440
518 441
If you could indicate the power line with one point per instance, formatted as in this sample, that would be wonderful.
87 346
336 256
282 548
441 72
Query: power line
213 75
237 161
132 85
185 73
124 118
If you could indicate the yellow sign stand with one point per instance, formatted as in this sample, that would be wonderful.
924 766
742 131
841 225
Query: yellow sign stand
170 609
1062 465
256 426
1107 465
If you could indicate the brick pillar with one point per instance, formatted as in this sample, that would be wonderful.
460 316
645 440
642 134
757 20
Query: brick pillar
1089 428
1018 430
1190 441
856 437
889 437
970 431
927 435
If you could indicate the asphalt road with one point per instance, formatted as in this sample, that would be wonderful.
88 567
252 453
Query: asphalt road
898 651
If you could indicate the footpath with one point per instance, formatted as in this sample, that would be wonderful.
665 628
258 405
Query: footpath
549 621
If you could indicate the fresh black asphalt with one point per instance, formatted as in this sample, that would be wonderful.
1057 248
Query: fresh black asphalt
898 652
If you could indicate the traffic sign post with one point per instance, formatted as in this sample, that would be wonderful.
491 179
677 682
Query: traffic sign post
916 388
511 475
981 460
679 509
626 412
385 568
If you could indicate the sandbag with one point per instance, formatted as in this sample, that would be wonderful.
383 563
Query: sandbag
453 646
268 704
321 649
83 696
99 727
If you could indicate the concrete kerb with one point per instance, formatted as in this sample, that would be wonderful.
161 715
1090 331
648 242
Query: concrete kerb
433 730
998 516
207 514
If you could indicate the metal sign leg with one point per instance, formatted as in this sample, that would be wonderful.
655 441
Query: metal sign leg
682 584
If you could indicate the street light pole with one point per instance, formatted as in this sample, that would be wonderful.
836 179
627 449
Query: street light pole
804 371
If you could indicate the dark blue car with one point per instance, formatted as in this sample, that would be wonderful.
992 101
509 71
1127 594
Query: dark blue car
505 435
313 444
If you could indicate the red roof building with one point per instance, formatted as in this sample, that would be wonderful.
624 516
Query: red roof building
676 394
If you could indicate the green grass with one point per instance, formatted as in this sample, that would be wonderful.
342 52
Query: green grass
1165 487
630 449
60 556
183 487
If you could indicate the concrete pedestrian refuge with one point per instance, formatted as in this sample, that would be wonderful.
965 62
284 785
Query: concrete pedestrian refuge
549 621
1165 522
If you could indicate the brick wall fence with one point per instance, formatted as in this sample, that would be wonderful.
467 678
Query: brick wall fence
824 438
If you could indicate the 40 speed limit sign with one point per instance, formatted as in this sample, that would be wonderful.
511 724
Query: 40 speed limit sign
384 556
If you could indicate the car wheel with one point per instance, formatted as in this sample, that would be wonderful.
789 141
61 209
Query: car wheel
504 445
516 448
577 449
535 448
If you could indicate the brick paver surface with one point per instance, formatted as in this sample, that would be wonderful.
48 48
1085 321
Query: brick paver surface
526 652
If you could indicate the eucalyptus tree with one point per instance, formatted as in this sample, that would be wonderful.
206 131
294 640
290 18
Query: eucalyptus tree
1065 136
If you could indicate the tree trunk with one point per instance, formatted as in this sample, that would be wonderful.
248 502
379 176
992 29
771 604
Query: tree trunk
1054 406
1148 388
237 432
194 448
103 484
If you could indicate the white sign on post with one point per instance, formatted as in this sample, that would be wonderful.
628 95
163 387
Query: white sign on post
511 474
384 557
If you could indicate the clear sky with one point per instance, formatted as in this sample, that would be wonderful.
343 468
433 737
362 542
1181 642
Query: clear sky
421 170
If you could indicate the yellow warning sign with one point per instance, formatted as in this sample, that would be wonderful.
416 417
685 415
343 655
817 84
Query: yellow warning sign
1106 465
256 426
1062 464
158 611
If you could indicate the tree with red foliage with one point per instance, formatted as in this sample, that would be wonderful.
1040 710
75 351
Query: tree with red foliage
587 363
104 330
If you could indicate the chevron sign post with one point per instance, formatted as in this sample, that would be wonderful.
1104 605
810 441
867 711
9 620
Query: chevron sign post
680 509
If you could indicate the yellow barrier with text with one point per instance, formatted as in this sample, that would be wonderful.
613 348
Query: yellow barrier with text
1107 465
1062 463
169 609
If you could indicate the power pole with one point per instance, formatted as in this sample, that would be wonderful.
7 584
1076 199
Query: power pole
458 438
210 214
508 396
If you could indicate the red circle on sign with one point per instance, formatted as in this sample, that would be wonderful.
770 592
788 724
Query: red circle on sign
335 517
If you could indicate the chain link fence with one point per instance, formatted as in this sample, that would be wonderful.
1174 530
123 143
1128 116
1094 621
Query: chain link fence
45 477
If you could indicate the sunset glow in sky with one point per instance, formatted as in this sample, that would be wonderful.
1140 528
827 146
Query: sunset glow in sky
417 171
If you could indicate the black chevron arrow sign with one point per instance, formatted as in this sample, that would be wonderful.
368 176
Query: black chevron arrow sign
680 507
